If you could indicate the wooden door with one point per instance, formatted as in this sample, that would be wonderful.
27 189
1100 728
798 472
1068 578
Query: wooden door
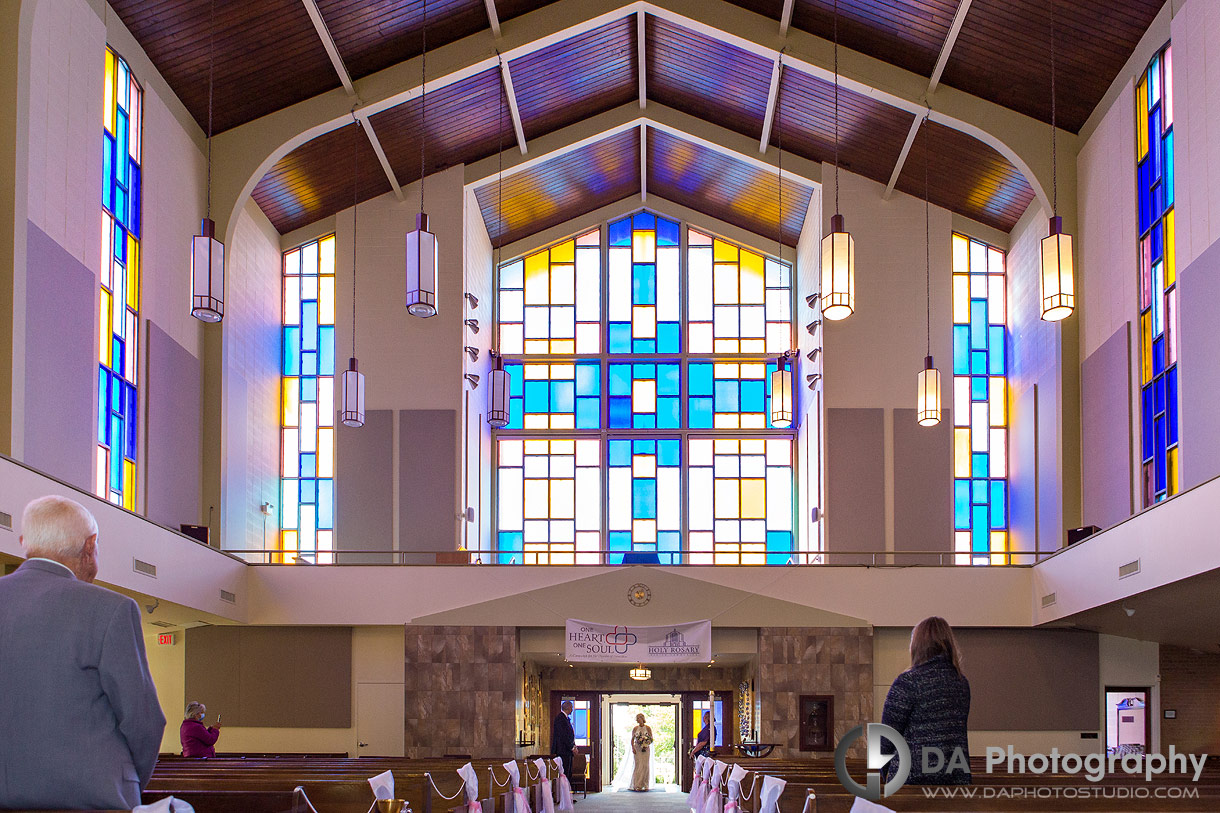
694 706
586 720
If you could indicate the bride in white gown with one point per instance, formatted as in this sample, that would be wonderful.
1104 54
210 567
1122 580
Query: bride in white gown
635 771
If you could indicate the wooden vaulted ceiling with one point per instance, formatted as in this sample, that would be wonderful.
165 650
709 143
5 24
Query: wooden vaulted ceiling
267 55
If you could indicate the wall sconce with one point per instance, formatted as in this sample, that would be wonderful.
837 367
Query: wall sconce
473 324
813 354
812 379
812 300
473 352
473 379
813 326
471 300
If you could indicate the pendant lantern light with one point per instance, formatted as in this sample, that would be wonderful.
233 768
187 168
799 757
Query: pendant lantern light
1058 285
927 401
640 672
497 394
208 253
838 291
352 412
421 243
781 393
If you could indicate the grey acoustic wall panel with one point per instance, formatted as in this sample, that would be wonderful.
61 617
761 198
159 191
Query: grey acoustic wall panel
1052 534
855 481
61 365
1199 367
1105 407
923 486
364 486
427 479
174 396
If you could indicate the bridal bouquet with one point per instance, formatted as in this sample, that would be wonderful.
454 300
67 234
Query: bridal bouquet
643 740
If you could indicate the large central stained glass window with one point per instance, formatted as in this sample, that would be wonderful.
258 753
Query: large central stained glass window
639 355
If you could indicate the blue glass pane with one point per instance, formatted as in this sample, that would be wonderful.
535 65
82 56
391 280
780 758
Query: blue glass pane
516 379
961 504
999 502
326 503
108 171
309 364
309 464
587 416
978 324
309 491
510 542
995 350
132 415
116 355
978 466
669 379
978 388
753 396
668 337
620 337
116 393
563 396
1146 415
309 325
120 205
134 223
620 412
700 378
326 351
1158 429
620 232
667 232
644 284
121 145
668 413
116 452
979 536
620 379
1168 159
644 221
727 396
309 388
103 406
120 244
1157 248
620 453
779 547
643 499
979 489
292 351
1158 399
961 349
669 452
537 396
587 377
700 416
1171 405
1154 138
978 362
642 420
644 346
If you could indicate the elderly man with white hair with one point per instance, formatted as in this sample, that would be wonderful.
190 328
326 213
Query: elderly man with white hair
80 725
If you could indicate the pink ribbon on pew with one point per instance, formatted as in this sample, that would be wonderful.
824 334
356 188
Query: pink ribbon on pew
698 788
566 804
471 779
714 800
772 787
548 802
521 800
732 803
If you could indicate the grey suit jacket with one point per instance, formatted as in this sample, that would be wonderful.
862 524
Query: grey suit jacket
80 725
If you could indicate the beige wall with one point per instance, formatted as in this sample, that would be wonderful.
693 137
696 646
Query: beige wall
1196 67
377 657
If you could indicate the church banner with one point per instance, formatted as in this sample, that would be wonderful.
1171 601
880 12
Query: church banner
587 642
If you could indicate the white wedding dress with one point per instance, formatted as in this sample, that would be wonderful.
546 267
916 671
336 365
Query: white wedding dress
626 769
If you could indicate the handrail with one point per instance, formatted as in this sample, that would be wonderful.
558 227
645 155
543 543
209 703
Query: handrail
601 557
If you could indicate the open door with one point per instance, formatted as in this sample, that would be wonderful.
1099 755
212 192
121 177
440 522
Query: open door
586 720
694 707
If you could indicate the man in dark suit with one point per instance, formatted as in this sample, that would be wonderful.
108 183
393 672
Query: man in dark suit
563 737
79 713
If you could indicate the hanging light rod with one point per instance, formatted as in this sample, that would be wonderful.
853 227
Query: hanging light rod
208 253
1057 281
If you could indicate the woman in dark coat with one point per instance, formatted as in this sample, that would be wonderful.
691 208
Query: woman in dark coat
198 740
928 705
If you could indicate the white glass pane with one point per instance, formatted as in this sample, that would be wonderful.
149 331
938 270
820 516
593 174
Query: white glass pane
588 284
620 284
669 498
700 498
667 284
700 294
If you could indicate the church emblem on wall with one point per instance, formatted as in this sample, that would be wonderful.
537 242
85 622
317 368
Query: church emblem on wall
639 594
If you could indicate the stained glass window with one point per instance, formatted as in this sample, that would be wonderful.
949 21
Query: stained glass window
119 297
550 301
307 485
1157 281
980 393
700 713
633 442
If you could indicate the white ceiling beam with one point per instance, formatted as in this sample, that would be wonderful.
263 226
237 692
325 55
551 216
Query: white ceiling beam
381 156
644 161
328 43
946 48
492 17
512 105
772 96
955 28
785 19
640 58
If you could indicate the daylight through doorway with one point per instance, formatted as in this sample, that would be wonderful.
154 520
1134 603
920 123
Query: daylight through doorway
661 715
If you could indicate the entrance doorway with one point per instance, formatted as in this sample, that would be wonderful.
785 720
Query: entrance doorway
661 712
1128 724
586 722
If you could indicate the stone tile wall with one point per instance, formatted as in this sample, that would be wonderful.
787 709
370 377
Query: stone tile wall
461 691
794 661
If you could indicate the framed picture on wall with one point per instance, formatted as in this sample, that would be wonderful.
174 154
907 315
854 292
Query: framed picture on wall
817 719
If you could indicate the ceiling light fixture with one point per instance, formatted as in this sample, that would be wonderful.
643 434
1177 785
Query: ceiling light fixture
497 393
781 392
1057 280
208 253
838 288
640 672
927 399
352 383
421 243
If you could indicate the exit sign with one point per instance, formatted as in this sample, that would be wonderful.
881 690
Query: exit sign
165 639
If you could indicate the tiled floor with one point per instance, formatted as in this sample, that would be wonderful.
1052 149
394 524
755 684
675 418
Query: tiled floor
654 801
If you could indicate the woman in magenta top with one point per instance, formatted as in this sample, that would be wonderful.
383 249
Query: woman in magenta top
198 741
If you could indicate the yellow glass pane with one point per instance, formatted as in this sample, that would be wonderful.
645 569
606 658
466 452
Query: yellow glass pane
961 254
1141 119
129 485
533 346
564 252
644 246
536 422
754 499
1173 470
1146 346
725 369
563 421
563 347
961 452
997 401
326 255
753 289
537 279
999 547
104 329
108 108
754 370
726 346
326 300
133 273
961 298
723 252
291 397
726 420
1170 252
288 541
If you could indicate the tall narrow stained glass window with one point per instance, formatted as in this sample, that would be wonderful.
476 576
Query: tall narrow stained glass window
648 436
1158 292
980 412
307 484
119 298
